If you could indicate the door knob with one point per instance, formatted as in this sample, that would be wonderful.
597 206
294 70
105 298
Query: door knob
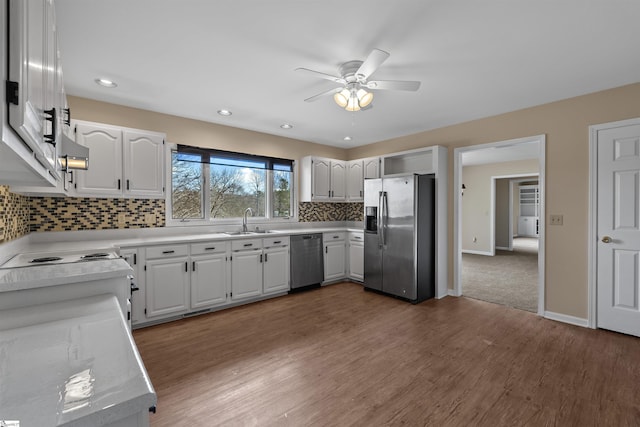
606 239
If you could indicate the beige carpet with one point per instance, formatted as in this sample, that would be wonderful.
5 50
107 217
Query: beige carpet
508 278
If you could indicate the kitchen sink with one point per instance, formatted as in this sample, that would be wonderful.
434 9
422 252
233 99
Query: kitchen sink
244 233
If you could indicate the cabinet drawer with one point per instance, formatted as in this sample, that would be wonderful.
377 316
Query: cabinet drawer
276 241
208 248
167 251
245 244
356 236
334 237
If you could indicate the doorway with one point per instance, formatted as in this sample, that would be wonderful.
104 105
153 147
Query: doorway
481 249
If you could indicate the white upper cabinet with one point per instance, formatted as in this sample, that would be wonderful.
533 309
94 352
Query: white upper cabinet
33 104
143 160
355 180
122 162
104 176
371 167
322 180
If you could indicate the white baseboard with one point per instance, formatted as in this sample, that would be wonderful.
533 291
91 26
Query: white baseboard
453 293
503 248
470 251
565 318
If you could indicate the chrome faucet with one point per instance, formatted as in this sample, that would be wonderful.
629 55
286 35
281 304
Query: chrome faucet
244 219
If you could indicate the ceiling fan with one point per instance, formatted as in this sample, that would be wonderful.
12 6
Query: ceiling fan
353 95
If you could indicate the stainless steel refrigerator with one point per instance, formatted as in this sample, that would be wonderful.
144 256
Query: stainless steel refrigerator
399 238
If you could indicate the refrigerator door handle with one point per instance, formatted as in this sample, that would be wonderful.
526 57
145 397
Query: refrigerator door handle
385 213
380 225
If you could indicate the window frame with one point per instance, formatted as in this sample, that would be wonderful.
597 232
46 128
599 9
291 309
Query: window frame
207 220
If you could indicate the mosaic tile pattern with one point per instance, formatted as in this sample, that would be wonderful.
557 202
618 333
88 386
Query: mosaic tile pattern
74 213
324 211
14 215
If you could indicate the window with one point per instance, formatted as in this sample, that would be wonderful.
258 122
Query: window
216 185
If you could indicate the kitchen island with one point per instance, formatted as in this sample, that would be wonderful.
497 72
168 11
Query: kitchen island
72 363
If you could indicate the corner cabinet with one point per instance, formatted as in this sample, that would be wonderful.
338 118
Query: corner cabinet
123 162
322 180
34 92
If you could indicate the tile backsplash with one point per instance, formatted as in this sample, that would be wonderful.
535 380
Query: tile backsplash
20 215
324 211
14 215
75 213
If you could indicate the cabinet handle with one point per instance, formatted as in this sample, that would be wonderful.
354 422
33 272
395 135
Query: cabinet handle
119 186
360 193
211 248
265 257
127 184
336 237
277 242
246 245
51 138
135 259
326 249
193 266
168 252
260 257
67 112
186 266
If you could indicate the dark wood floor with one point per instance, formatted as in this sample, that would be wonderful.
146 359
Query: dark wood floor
339 356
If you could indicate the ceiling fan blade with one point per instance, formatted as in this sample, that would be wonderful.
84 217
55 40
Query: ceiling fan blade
325 93
393 85
336 79
371 64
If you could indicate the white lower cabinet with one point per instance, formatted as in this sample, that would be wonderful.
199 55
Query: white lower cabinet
133 257
208 280
167 286
335 256
356 256
276 265
246 274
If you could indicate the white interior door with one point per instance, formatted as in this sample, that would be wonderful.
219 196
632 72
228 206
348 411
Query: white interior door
618 229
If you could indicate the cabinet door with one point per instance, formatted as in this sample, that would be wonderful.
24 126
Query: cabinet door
137 296
334 261
143 164
338 180
356 260
355 180
246 274
167 286
104 177
276 270
32 64
371 168
208 280
320 179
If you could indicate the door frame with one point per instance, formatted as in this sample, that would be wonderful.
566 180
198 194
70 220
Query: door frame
513 179
457 209
592 234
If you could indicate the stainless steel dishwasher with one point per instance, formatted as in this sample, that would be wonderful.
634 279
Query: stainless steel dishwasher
307 260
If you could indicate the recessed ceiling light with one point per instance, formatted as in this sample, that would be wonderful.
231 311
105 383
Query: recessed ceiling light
224 112
286 126
347 138
106 83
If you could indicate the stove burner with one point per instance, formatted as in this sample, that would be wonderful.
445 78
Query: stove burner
46 259
96 255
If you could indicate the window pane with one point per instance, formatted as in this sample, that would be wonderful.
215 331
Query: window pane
281 194
186 183
236 188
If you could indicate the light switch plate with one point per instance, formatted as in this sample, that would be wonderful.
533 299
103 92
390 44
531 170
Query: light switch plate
556 219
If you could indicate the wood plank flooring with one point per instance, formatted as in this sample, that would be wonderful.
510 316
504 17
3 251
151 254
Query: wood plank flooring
340 356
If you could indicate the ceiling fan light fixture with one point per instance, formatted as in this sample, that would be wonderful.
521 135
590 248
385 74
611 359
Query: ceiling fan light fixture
353 104
364 97
342 97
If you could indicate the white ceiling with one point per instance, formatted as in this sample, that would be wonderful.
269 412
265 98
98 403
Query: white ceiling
475 59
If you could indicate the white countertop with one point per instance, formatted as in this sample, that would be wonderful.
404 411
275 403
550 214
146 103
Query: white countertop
15 279
72 363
